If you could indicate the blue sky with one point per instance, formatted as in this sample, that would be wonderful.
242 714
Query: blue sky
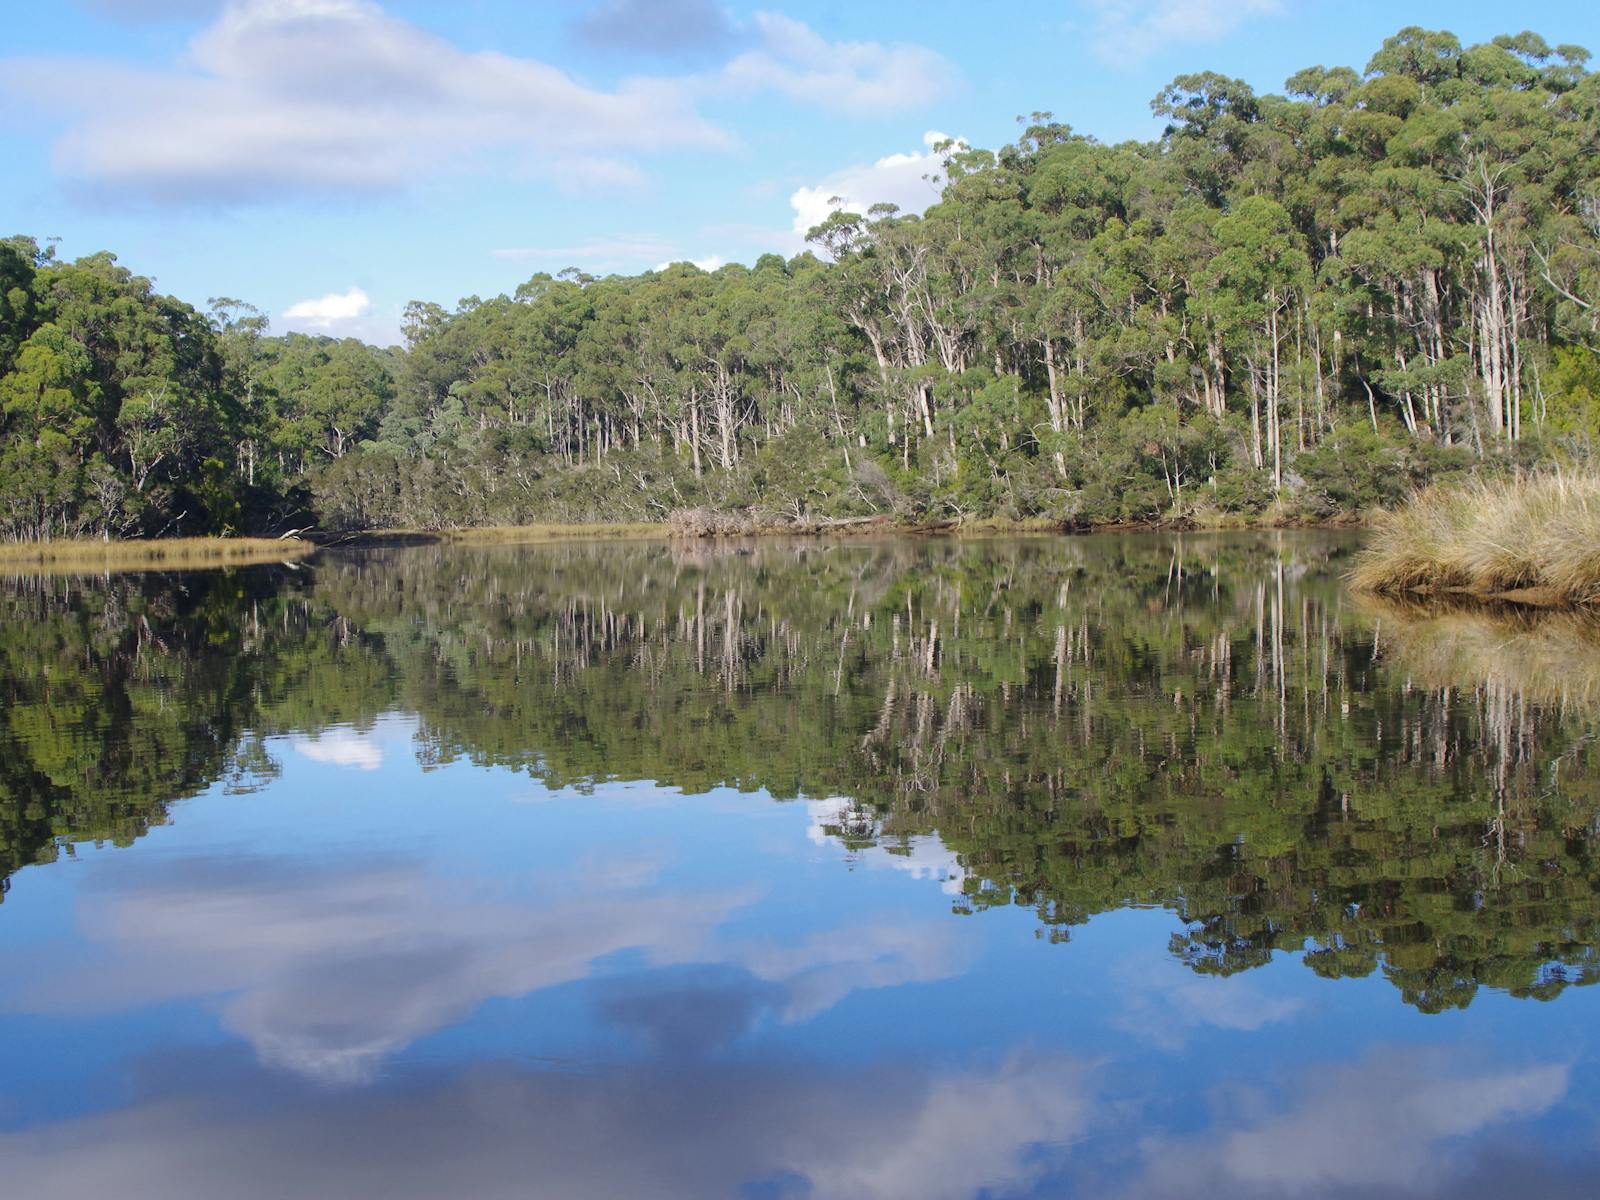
328 160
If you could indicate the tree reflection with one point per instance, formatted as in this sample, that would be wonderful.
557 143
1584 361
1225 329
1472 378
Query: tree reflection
1204 724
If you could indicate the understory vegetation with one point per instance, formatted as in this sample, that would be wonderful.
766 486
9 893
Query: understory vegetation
1286 307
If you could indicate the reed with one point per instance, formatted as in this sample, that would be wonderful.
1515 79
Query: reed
89 556
1535 539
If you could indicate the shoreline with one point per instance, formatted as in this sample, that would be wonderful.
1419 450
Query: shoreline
730 528
93 556
90 556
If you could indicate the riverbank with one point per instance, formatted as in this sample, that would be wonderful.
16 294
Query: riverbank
702 523
1532 541
90 556
492 535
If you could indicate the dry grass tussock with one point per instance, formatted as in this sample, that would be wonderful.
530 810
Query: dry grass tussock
90 556
1548 658
1540 533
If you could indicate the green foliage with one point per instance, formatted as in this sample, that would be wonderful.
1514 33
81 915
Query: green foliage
1572 394
1075 331
1356 469
1197 723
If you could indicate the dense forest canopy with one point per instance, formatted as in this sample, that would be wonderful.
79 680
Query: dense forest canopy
1286 305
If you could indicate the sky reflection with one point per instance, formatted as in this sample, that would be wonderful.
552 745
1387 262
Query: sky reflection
668 1050
1084 932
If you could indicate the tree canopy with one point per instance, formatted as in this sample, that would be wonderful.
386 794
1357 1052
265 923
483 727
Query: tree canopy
1295 304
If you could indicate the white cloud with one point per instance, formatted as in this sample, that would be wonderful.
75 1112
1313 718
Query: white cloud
854 78
338 96
1133 30
707 264
911 181
340 747
671 28
326 312
899 179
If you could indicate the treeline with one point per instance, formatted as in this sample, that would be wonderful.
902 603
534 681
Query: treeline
1209 727
1287 305
124 412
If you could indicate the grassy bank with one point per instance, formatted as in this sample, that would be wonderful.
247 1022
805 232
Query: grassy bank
1533 540
701 523
691 525
156 554
494 535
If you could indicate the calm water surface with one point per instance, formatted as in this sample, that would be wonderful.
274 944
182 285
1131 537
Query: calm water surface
1111 867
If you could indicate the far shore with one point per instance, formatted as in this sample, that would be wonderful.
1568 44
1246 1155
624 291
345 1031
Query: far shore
95 555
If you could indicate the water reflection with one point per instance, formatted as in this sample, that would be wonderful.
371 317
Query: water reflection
1394 1123
720 1130
1119 867
1206 725
1413 1125
327 969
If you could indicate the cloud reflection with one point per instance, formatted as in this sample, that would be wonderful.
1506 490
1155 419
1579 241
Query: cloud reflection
1042 1125
1404 1122
500 1131
1164 1003
329 969
841 821
341 748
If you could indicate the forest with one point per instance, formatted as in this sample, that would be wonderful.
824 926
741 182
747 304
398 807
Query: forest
1287 307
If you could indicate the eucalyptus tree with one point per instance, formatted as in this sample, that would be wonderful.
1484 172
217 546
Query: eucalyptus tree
1072 330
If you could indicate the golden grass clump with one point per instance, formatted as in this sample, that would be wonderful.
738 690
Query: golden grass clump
92 556
1539 536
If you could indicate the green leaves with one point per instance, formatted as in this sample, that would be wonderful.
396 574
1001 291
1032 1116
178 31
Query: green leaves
1416 247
